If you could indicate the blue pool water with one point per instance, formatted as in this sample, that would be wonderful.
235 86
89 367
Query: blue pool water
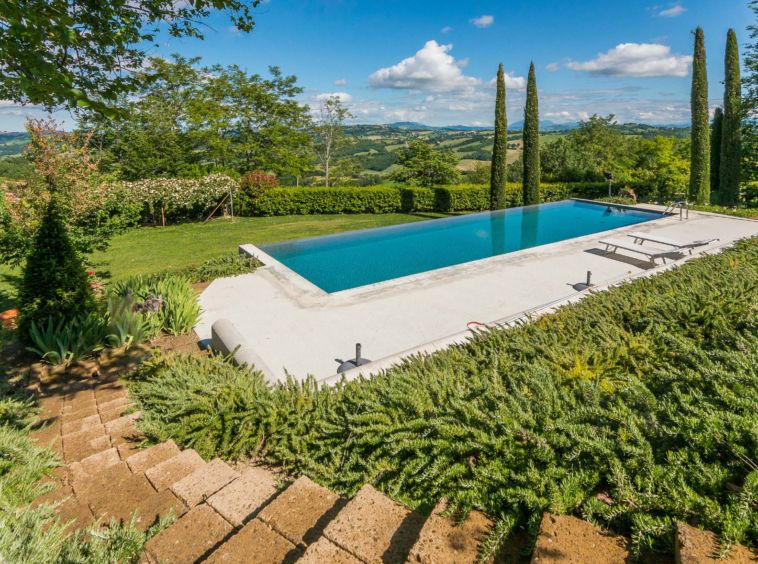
348 260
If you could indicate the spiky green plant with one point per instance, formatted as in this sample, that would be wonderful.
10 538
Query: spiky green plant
700 191
731 142
531 155
499 170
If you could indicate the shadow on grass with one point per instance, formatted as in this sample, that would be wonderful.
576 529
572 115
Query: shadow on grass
8 297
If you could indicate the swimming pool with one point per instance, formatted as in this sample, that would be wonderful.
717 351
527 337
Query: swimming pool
358 258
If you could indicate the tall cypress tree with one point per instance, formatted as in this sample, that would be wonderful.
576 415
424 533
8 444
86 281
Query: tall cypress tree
716 134
700 180
500 148
531 142
731 141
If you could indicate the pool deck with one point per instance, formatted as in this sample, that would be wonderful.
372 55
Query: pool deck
295 326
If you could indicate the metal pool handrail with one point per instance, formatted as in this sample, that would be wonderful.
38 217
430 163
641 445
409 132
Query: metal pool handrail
674 205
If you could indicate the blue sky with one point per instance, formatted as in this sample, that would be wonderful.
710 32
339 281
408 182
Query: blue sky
433 62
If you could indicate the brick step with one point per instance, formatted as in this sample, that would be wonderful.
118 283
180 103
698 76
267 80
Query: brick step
170 471
566 539
196 487
694 546
375 529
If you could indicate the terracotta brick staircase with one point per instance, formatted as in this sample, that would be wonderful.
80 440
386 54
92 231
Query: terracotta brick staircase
238 515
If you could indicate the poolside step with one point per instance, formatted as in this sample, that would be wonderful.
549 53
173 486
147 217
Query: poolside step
193 537
203 482
442 540
301 512
375 529
694 546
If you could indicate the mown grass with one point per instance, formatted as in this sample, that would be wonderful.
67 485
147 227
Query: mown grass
633 409
151 249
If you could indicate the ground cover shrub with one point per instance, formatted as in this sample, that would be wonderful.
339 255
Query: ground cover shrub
224 266
633 408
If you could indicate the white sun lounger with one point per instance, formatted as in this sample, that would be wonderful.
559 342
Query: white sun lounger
642 237
612 245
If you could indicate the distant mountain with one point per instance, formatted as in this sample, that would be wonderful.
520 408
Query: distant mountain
545 126
415 126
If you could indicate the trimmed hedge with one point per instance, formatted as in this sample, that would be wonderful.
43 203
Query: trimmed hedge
389 199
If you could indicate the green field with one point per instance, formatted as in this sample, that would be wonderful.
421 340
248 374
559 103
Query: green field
149 249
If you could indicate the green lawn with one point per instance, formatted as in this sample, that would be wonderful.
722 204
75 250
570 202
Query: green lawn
149 249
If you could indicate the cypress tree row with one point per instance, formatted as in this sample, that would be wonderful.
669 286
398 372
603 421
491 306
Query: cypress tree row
531 142
716 134
731 142
499 171
700 191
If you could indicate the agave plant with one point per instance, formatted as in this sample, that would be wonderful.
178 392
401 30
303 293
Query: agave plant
126 326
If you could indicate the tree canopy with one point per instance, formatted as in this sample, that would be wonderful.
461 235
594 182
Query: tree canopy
83 53
186 120
425 165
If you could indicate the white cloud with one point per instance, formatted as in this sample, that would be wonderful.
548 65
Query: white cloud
674 11
340 82
432 68
480 124
233 30
482 21
343 97
446 29
429 99
511 81
552 67
636 60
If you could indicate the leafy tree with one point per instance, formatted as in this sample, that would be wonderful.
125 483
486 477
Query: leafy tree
153 141
731 142
601 139
248 122
217 117
699 190
329 132
499 171
480 174
531 158
716 135
663 162
67 171
425 165
563 161
81 53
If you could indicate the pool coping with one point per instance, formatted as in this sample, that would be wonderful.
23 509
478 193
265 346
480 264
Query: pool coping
302 288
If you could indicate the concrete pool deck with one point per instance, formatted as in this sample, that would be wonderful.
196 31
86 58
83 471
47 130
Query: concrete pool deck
295 326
